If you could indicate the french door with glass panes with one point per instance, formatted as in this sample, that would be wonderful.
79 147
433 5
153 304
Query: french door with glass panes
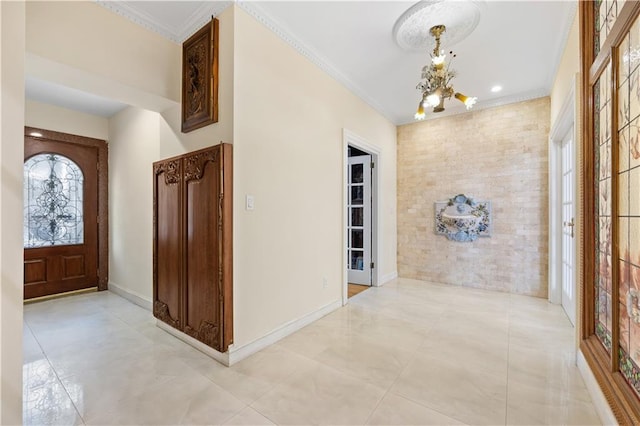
359 220
568 225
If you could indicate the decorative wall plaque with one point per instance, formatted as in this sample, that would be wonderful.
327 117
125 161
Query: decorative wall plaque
200 78
463 219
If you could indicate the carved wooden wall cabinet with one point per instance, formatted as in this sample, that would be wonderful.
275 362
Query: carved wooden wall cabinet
192 247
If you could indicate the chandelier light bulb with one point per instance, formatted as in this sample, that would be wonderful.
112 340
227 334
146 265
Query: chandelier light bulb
438 61
433 100
468 101
420 115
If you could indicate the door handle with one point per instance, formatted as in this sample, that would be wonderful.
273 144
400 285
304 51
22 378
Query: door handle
572 224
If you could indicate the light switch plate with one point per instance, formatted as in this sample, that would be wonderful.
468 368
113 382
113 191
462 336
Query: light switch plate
250 203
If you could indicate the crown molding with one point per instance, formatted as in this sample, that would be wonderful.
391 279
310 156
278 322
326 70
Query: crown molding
205 10
280 30
564 37
138 17
200 16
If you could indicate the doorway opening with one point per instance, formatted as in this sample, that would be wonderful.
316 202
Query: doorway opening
360 215
563 289
65 213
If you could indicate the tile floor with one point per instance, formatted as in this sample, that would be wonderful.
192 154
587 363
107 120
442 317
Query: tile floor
407 353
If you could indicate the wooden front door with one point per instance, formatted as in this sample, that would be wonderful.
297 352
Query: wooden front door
60 216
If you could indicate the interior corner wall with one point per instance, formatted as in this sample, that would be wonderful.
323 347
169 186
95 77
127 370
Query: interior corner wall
133 147
288 153
569 66
51 117
498 155
12 41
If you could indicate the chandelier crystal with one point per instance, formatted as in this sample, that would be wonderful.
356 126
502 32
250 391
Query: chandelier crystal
436 80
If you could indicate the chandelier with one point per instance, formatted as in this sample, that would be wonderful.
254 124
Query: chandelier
436 85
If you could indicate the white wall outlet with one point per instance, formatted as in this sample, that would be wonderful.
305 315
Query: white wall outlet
325 284
250 202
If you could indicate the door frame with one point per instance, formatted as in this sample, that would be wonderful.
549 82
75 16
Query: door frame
103 191
351 138
565 120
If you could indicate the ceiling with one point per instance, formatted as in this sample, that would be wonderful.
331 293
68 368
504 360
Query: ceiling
516 44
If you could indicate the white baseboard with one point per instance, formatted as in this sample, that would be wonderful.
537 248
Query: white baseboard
388 277
597 397
131 296
237 354
218 356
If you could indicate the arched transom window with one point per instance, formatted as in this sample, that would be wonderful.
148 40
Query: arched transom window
52 201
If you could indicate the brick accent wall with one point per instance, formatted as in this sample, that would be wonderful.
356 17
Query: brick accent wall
498 155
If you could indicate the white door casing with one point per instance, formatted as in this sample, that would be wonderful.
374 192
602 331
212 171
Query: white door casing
359 220
352 139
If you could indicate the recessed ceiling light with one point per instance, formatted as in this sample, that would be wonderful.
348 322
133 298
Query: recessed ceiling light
36 134
496 89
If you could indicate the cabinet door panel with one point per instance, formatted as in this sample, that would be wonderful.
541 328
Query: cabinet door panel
168 244
202 319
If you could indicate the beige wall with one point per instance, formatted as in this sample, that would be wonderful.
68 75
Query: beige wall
12 23
50 117
499 155
290 161
569 66
88 38
134 135
288 123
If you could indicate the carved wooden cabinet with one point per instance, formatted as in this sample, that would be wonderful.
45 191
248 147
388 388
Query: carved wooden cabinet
192 244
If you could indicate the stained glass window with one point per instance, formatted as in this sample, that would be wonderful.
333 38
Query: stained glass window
613 173
629 206
52 201
605 15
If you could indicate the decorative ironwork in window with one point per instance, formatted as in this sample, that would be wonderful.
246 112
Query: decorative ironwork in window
53 213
